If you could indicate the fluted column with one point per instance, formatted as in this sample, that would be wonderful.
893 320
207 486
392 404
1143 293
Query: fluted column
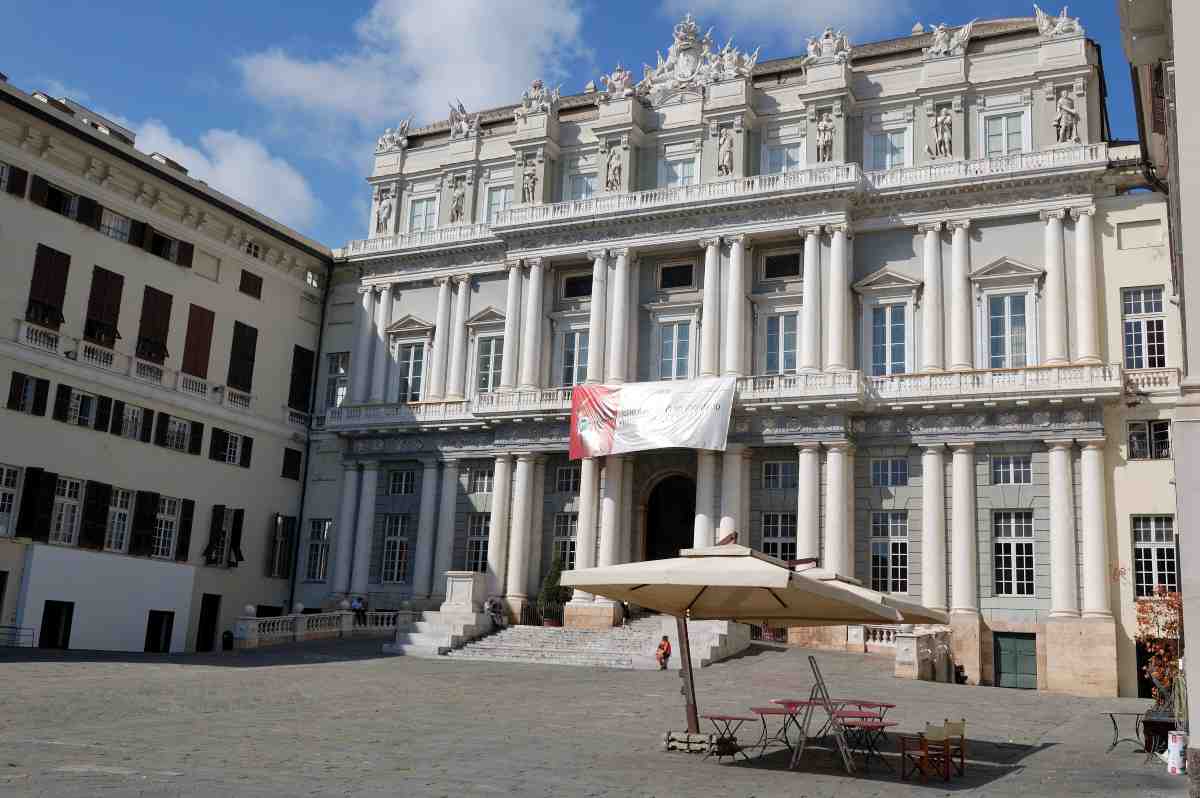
344 533
964 566
598 316
585 527
610 510
443 561
808 501
458 344
710 311
960 296
364 528
537 526
522 518
1095 530
360 364
839 551
379 363
426 528
810 311
1055 290
706 482
1064 584
618 331
512 328
436 388
839 300
735 309
497 553
933 526
731 492
531 340
932 310
1087 333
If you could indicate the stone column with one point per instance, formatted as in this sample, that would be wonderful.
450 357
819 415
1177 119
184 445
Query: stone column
447 512
597 316
497 557
625 519
808 501
735 309
1087 333
810 311
512 328
1054 294
1095 530
610 510
360 364
458 345
933 526
706 483
436 388
518 549
1064 585
839 549
364 528
731 492
585 528
531 349
961 302
537 529
632 320
710 312
379 365
426 528
964 577
932 310
839 301
344 533
618 331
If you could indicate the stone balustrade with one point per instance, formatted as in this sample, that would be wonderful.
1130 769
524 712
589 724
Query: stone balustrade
546 400
879 637
1032 382
1153 381
420 239
933 174
251 632
777 389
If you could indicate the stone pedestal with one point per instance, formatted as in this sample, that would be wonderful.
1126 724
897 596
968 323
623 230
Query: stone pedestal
965 634
465 592
1081 656
591 615
827 638
908 660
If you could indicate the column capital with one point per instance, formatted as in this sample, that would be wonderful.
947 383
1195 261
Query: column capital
1089 210
808 446
930 227
1057 214
937 447
514 264
842 446
503 456
463 279
813 231
597 254
705 243
737 238
736 449
839 227
1060 443
429 463
525 457
622 252
962 446
959 224
1092 443
370 465
440 281
535 263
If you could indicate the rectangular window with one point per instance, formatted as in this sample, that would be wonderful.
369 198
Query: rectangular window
888 340
567 480
1150 440
82 409
887 149
575 358
783 158
674 345
293 460
678 172
1154 562
781 475
1006 332
1004 134
1012 469
300 383
499 198
104 307
337 385
279 563
28 394
1144 327
478 525
60 200
64 520
241 357
421 214
489 360
779 535
410 363
197 344
1012 553
166 522
154 325
115 226
397 529
781 266
48 287
576 286
889 472
889 551
233 448
316 560
10 480
781 343
4 172
681 275
163 246
581 187
566 527
179 434
131 422
252 249
251 284
482 480
218 544
402 483
120 510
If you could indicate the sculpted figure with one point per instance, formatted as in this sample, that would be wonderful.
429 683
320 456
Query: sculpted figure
725 153
529 184
825 130
386 140
383 213
612 170
1066 124
458 201
943 135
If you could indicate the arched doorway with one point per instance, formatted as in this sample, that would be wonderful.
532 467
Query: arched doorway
670 517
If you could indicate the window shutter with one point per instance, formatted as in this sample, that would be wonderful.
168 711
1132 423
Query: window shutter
103 413
198 343
148 240
183 541
160 430
147 425
118 417
218 442
184 256
375 570
214 532
41 392
247 446
16 181
235 539
104 302
37 505
273 545
88 212
137 233
292 459
196 438
16 389
154 325
94 523
241 357
39 192
302 378
289 545
145 514
62 402
48 287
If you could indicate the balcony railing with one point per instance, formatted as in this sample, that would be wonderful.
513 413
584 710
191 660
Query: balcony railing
439 236
1153 380
770 389
981 168
544 400
397 414
42 338
1034 382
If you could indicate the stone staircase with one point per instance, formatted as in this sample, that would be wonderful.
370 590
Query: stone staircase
436 633
629 647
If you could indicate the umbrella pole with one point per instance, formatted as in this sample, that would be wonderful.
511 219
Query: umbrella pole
689 686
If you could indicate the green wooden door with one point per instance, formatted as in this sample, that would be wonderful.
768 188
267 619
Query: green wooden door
1016 660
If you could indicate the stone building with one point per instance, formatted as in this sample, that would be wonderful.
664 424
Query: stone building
949 322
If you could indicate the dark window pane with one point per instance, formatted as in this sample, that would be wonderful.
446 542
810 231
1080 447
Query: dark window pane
776 266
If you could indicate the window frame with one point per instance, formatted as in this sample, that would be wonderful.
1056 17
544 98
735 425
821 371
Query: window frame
682 332
1011 469
1032 357
889 551
1157 447
1142 320
1005 113
120 517
81 410
11 485
320 546
482 480
579 356
885 472
475 558
1009 552
777 145
676 264
1144 587
394 554
429 218
166 522
781 335
489 212
179 431
573 479
116 226
404 366
131 421
775 540
798 252
889 306
786 476
402 482
68 493
491 347
565 539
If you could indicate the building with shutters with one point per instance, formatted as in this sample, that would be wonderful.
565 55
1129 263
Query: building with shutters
158 364
949 322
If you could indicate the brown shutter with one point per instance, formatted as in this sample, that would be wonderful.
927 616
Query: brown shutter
214 533
147 425
218 442
17 178
88 212
37 504
183 541
292 459
16 390
160 431
300 389
41 392
104 306
48 287
145 515
104 406
62 402
137 233
118 417
247 447
154 325
195 438
241 357
235 539
94 522
198 344
183 256
39 193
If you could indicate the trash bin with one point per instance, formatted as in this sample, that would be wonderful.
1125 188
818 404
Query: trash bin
227 640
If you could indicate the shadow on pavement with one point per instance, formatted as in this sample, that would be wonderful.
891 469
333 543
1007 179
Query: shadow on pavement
301 654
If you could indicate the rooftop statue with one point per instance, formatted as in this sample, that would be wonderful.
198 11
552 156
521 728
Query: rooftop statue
1062 25
394 139
538 98
691 64
462 125
945 43
829 46
617 84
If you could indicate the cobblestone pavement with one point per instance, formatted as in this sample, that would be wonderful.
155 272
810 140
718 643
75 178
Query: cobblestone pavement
336 720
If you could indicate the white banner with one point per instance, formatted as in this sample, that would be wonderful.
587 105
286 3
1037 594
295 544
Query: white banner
614 419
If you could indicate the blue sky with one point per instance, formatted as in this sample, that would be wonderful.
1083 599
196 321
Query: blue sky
279 104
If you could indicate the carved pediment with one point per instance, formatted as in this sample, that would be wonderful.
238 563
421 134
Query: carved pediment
1007 271
887 279
410 325
488 316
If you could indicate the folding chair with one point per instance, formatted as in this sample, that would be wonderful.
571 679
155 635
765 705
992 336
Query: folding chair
928 752
956 738
821 693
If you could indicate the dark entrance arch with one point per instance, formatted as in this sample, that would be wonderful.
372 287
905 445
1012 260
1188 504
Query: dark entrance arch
670 517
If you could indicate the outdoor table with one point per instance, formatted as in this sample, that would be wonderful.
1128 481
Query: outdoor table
789 718
1117 739
882 706
865 736
727 728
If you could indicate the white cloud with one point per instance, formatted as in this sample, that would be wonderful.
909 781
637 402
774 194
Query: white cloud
57 89
789 24
413 58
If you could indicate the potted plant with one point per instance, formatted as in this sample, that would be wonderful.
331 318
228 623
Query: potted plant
552 595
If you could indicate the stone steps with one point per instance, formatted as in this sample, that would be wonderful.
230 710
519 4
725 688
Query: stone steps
626 647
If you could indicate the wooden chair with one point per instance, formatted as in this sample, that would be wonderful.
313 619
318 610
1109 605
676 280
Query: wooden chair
956 737
927 752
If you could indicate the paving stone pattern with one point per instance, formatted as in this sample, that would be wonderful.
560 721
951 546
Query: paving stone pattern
336 719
